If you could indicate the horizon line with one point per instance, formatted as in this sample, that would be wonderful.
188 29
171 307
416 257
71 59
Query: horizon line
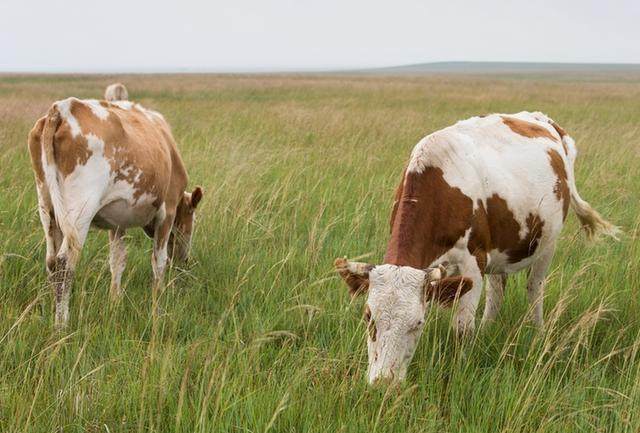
304 70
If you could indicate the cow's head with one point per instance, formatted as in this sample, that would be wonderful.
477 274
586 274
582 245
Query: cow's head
183 225
397 301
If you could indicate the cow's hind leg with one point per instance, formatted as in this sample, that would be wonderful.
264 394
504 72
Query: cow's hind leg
535 285
494 294
464 322
74 236
52 233
62 277
117 261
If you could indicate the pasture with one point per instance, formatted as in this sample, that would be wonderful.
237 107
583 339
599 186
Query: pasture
257 333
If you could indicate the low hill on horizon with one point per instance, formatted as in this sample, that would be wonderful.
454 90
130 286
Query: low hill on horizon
464 67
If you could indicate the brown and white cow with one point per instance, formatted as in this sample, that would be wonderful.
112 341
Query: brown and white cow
116 92
486 196
114 166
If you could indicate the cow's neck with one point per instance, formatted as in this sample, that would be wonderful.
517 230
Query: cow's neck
431 216
411 240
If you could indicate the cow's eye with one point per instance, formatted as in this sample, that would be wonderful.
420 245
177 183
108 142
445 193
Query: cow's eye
371 324
417 325
367 314
371 328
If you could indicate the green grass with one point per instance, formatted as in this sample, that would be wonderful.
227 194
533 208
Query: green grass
258 334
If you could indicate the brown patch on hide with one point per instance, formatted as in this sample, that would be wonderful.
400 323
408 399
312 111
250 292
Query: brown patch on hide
561 187
527 129
505 230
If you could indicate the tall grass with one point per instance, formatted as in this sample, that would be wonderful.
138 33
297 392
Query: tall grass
257 334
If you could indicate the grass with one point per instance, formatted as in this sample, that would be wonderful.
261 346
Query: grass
258 334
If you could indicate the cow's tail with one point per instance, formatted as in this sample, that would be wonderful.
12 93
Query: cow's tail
592 222
50 168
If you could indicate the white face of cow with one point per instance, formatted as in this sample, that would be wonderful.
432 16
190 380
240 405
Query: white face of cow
398 297
395 314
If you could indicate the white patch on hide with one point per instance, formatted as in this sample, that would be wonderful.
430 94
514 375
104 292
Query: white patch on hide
64 108
98 110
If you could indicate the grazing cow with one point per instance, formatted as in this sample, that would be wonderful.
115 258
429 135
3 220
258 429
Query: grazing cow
113 166
486 196
116 92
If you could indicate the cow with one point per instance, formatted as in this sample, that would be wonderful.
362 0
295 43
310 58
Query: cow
113 166
486 196
116 92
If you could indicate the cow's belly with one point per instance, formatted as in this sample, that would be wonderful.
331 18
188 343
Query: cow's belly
498 262
120 213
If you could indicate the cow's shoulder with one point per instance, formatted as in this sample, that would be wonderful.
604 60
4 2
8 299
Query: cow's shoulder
430 216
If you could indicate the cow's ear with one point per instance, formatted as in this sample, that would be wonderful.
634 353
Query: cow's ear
196 196
446 290
354 274
436 273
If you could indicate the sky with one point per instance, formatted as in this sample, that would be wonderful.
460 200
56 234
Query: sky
284 35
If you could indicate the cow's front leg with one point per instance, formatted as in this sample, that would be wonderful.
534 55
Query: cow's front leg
117 261
159 257
465 318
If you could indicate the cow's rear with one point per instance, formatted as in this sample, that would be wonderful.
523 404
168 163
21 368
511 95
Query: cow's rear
112 166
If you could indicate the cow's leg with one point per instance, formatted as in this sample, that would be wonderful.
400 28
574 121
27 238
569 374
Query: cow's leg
74 235
494 293
464 322
159 257
62 277
52 233
117 260
535 285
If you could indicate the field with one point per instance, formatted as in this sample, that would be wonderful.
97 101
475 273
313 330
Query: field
258 334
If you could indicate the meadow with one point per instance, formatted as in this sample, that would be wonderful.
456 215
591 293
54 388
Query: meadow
257 333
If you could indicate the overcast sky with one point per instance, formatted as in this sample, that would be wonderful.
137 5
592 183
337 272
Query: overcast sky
249 35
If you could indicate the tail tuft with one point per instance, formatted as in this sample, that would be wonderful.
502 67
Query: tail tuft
592 222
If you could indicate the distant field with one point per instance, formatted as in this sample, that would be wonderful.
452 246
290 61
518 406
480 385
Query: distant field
258 334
